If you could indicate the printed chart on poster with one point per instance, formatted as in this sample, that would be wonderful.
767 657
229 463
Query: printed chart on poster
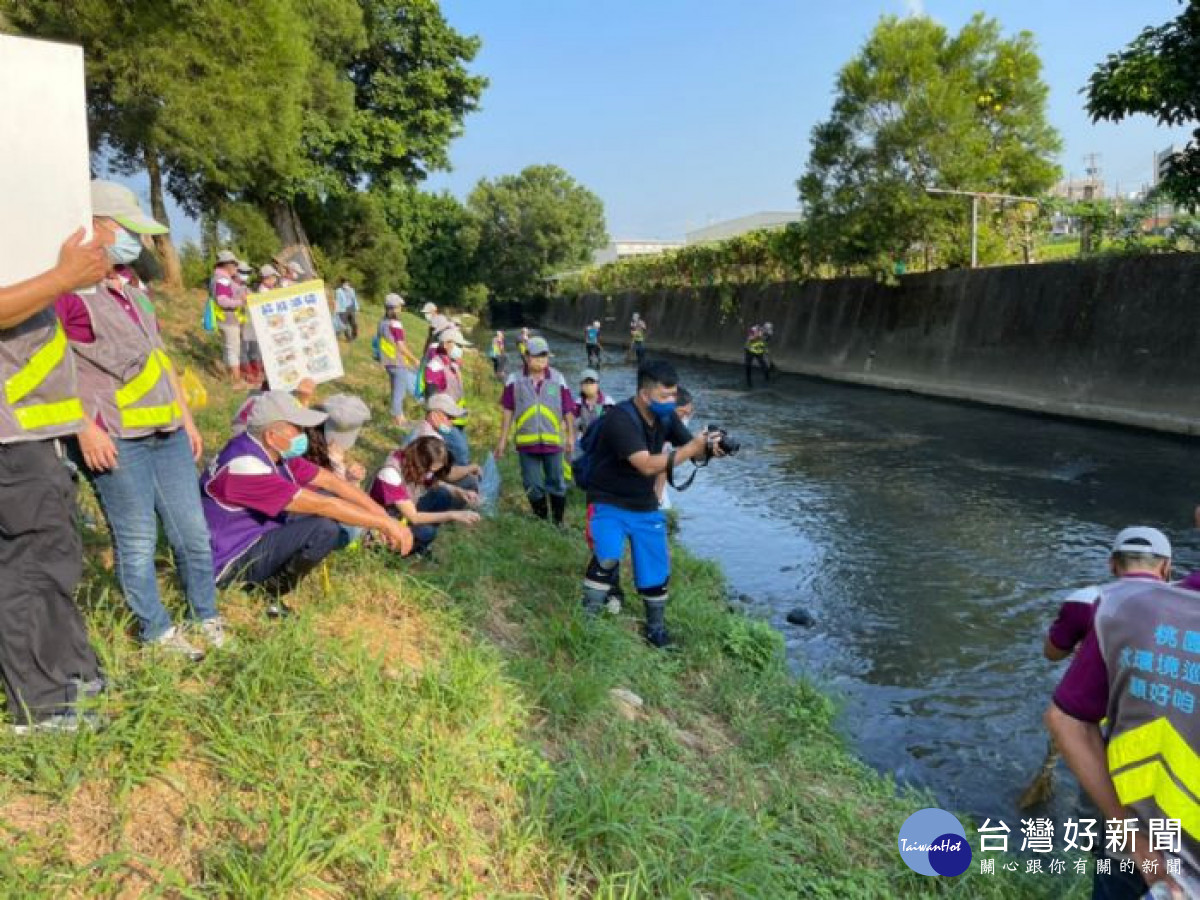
295 334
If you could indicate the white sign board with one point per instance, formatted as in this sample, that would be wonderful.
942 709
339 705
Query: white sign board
44 176
295 334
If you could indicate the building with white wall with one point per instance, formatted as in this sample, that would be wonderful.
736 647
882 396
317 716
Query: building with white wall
719 231
624 249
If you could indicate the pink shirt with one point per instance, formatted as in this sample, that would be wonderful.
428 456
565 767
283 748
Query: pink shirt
389 488
77 321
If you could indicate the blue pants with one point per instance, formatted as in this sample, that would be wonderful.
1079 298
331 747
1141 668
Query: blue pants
401 385
611 526
302 543
542 474
435 501
155 480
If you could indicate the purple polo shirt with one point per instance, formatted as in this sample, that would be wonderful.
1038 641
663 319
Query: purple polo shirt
508 402
1083 692
1074 619
245 495
77 321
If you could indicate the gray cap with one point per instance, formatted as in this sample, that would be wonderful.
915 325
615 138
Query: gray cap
267 271
391 301
429 307
1141 539
453 336
444 403
347 415
226 256
280 406
589 375
537 346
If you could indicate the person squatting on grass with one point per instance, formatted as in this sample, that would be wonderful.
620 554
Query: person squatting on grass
540 412
330 443
438 423
396 358
139 446
273 515
46 663
622 502
410 485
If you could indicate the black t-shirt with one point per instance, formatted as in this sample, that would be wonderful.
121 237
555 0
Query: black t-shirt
613 479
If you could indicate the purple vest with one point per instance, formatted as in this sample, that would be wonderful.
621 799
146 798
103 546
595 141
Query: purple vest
235 529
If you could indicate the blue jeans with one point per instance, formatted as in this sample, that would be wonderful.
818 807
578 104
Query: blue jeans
401 385
155 479
435 501
542 474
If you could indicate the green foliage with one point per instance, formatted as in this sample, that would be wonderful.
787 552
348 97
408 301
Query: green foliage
1158 75
197 267
530 225
752 643
252 236
920 108
356 242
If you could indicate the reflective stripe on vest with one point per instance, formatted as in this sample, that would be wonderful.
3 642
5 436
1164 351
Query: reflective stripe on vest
1152 761
29 377
757 346
157 367
540 437
387 348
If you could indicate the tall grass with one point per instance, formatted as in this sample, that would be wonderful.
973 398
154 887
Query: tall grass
447 729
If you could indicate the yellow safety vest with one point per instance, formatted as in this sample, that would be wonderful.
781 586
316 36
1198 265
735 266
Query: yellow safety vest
538 416
38 374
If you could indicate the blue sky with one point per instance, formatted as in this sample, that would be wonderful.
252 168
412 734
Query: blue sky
678 113
682 112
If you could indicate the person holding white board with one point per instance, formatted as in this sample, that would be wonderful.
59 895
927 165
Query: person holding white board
46 662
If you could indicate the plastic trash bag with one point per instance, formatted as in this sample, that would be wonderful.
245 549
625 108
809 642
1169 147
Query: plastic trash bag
489 486
194 391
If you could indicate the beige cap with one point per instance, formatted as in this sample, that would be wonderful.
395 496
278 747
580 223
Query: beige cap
453 336
444 403
268 271
117 202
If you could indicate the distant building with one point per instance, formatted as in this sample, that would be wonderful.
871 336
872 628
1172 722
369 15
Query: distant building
1079 189
720 231
624 249
1162 159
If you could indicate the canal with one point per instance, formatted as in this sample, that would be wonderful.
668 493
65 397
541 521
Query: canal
932 543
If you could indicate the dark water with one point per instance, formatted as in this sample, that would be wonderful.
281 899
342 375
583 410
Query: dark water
932 542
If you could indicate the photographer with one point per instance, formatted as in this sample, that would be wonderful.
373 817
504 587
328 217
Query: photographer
622 501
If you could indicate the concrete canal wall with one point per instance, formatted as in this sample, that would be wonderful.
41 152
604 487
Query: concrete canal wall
1113 339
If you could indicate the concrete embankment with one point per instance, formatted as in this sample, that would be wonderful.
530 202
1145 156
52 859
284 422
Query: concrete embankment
1112 340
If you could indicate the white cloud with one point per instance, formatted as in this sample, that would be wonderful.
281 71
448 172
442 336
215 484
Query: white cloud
914 8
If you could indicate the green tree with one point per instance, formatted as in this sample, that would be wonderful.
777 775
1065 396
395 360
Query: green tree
921 108
438 234
531 225
199 93
1158 75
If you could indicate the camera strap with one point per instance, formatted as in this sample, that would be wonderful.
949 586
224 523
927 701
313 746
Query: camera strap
671 474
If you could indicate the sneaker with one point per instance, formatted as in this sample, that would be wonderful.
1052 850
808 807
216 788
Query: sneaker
173 641
613 604
64 722
214 632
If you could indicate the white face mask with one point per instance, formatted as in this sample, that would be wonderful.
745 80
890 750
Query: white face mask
456 352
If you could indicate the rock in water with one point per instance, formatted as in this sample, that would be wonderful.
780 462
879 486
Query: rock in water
801 617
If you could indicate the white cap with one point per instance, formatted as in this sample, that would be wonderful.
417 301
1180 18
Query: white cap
226 256
391 301
429 307
268 271
1142 539
453 336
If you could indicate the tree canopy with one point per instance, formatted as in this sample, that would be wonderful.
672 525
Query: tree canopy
532 225
1158 75
921 108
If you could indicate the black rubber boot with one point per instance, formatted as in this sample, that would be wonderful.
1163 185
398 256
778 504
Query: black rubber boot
540 508
558 506
656 622
284 582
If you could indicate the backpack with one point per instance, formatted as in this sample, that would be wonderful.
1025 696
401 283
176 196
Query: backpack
376 350
584 463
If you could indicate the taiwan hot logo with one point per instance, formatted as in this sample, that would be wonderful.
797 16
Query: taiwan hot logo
933 842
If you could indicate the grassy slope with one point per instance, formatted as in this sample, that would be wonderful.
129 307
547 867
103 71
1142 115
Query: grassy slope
446 729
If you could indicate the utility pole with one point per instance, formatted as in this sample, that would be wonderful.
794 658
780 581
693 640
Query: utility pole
976 196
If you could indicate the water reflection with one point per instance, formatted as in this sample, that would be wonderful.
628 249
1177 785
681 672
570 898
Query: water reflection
932 542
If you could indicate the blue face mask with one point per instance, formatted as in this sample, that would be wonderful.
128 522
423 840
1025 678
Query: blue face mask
125 248
445 429
298 447
663 409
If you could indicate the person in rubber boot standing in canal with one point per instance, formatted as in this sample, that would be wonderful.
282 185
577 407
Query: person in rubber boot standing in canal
622 500
540 412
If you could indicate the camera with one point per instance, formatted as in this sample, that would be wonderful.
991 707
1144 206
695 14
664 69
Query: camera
726 444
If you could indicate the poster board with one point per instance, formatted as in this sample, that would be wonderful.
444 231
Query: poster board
44 168
295 335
